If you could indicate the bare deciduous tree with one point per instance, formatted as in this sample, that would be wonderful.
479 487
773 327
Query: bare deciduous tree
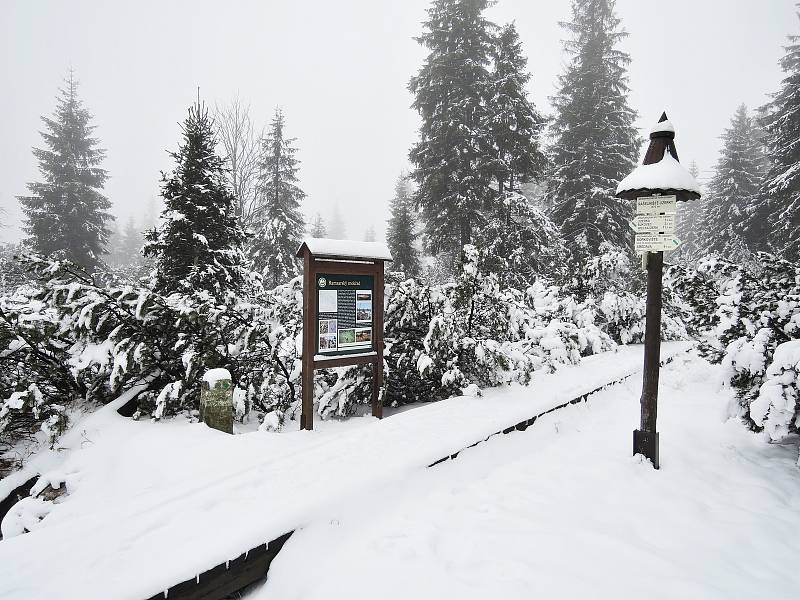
241 143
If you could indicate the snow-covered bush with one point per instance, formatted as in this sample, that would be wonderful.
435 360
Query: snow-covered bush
468 334
776 408
70 337
746 314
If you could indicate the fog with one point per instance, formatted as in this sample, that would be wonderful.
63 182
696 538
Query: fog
339 70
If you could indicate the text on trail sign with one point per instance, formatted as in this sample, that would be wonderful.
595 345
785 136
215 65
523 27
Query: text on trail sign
655 243
344 323
654 223
656 205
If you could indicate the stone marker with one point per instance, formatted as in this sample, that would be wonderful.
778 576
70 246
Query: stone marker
216 400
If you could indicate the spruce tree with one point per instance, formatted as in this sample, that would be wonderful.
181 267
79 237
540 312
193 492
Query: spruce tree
451 91
280 222
520 244
516 125
595 143
197 242
131 243
67 212
318 228
369 234
774 219
401 232
687 227
336 229
733 188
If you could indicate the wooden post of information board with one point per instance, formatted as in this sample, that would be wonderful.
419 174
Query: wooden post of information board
377 366
309 310
352 333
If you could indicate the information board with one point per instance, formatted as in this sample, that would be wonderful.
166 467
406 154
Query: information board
344 319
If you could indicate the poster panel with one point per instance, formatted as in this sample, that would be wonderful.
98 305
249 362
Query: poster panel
344 316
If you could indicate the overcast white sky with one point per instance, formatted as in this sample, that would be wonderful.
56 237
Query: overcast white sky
339 68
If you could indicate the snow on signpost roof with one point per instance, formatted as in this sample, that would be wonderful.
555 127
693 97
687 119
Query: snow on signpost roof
325 247
665 125
666 174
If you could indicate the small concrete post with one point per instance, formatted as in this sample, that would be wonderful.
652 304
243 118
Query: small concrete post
216 400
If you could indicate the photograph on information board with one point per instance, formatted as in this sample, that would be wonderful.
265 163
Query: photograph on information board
364 306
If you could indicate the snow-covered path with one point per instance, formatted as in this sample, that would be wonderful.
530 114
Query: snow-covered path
152 505
563 511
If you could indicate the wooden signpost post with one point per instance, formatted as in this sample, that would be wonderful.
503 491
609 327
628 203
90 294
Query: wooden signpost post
342 313
656 186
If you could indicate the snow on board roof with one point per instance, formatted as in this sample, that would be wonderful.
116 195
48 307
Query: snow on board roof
667 174
345 249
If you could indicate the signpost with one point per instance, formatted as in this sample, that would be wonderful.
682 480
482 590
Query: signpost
342 313
654 225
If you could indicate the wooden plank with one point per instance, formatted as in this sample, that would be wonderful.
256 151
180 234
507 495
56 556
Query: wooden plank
343 361
345 268
229 577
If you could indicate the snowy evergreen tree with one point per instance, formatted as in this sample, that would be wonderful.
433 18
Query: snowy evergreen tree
452 157
733 188
776 215
336 229
318 228
197 242
67 212
401 233
369 234
520 244
279 220
516 125
595 143
132 242
687 227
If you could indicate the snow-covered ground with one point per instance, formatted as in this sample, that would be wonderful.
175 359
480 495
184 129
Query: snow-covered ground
563 511
153 504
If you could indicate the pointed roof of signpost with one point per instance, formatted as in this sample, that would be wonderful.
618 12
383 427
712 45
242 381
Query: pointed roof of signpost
660 172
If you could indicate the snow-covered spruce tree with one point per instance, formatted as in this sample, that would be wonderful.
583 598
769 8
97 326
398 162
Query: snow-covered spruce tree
336 228
689 220
67 211
595 143
317 227
132 242
279 222
197 242
452 157
520 243
733 188
401 234
515 123
774 219
369 234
